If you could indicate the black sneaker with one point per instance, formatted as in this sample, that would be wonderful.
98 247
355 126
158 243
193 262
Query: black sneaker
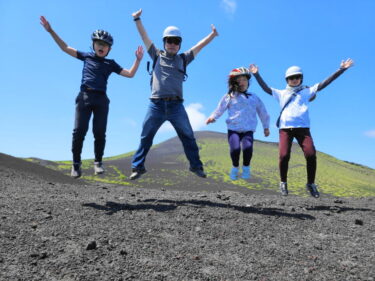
283 186
313 189
137 172
76 171
199 172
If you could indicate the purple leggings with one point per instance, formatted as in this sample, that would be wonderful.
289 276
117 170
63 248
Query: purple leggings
236 140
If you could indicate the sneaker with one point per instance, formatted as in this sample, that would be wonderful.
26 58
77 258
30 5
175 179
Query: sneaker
313 189
137 172
283 188
98 168
233 173
76 171
199 172
246 172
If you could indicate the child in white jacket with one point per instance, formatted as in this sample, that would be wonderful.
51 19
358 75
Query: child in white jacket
242 107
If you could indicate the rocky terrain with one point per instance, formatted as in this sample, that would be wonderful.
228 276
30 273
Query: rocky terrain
56 228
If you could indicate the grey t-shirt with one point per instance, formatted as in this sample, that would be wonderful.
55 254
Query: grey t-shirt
168 74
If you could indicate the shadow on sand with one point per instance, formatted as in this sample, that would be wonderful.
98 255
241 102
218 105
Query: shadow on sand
170 205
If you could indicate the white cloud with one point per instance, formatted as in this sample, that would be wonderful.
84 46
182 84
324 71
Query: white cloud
196 117
370 134
229 6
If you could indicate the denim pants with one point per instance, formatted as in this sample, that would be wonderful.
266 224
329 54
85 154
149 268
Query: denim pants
86 105
236 140
158 112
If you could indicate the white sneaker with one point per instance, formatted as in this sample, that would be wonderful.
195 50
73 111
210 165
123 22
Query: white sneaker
98 168
246 172
234 174
283 186
76 171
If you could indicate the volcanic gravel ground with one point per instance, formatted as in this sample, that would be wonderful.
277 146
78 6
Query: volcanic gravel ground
53 229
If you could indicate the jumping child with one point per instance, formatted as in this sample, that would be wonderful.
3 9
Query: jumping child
92 98
242 106
294 121
166 101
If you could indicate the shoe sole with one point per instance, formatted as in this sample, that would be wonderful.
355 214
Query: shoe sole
201 176
284 193
138 175
315 195
312 194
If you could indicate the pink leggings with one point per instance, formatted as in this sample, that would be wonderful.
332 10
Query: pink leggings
305 141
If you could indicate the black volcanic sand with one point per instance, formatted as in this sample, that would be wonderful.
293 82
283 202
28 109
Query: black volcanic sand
53 228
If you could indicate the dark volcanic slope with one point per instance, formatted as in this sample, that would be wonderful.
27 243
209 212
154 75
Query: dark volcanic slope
51 230
21 167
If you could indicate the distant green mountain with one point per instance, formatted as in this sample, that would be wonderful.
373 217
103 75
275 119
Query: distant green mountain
168 168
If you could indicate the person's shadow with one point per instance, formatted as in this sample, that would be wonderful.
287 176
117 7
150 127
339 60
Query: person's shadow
170 205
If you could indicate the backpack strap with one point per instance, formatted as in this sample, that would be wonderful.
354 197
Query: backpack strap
153 65
184 63
183 56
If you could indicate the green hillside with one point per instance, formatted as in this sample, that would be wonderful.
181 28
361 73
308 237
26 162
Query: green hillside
334 176
167 167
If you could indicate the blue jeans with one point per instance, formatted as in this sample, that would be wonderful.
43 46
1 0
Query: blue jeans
158 112
86 105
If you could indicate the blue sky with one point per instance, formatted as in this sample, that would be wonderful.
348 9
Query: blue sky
40 82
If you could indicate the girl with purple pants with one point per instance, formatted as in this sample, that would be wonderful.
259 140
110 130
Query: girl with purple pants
242 107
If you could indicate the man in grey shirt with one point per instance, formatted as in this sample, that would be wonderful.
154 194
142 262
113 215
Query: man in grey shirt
166 102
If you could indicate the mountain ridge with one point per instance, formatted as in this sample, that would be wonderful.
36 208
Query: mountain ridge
168 168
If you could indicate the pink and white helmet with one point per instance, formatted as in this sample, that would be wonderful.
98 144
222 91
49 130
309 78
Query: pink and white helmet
240 71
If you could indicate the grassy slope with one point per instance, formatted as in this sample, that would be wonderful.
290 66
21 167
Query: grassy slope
334 176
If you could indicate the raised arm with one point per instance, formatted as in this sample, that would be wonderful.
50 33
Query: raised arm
198 47
343 66
255 71
137 18
131 72
63 46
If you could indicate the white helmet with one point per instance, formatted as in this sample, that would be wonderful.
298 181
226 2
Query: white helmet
293 70
172 31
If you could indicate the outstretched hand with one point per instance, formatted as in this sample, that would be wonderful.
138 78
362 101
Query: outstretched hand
139 53
253 68
266 132
45 23
346 64
214 31
137 14
210 120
